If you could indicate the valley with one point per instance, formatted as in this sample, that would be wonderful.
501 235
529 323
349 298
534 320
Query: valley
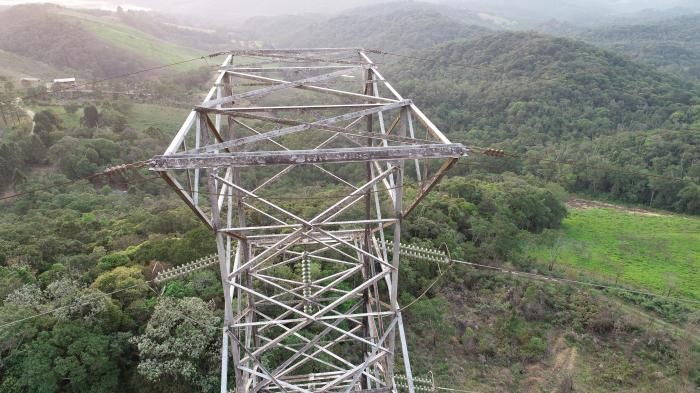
598 182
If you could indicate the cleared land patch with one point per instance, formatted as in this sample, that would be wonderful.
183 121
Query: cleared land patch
656 252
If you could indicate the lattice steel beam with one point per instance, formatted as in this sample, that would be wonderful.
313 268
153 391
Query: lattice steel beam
310 286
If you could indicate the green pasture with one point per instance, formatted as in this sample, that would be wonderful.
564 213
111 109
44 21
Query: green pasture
660 253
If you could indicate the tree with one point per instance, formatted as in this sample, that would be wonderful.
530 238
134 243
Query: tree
7 100
91 117
689 199
128 280
69 358
46 122
178 350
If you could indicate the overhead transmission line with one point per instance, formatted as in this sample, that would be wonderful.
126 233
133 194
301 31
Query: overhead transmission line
126 75
440 257
411 251
404 56
489 152
80 303
163 66
107 172
498 153
485 151
537 276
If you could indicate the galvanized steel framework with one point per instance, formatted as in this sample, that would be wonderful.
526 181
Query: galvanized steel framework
310 292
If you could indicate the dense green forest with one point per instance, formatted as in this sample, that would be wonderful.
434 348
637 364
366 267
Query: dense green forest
566 100
390 27
671 45
618 130
553 97
62 246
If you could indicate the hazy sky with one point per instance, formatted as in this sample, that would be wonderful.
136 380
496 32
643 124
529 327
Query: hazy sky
274 7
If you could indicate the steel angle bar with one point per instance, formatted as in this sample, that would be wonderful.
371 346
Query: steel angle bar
301 157
383 137
283 320
287 68
283 85
185 128
235 110
370 359
302 127
320 89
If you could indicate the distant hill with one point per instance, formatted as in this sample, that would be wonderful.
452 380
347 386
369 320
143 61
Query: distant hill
671 45
15 66
538 89
390 26
175 31
90 45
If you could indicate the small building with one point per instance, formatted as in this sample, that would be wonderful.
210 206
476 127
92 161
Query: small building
63 84
29 83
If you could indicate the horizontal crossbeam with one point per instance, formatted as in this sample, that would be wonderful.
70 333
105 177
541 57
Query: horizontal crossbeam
298 157
287 108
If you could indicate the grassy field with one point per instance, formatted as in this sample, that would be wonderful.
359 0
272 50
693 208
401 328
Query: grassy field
68 120
142 116
660 253
133 40
168 119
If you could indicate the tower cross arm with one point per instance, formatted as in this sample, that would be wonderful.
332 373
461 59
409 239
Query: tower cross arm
297 157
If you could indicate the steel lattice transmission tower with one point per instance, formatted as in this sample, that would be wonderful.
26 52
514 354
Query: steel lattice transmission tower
311 294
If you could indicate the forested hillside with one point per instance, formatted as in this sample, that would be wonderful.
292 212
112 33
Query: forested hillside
393 26
80 42
15 66
556 96
79 311
671 45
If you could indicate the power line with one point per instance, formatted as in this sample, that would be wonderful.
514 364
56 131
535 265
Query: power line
432 284
490 152
82 303
173 64
437 256
462 64
497 153
126 75
109 171
570 281
455 390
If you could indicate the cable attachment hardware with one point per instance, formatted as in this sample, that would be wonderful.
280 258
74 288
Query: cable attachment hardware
306 279
494 153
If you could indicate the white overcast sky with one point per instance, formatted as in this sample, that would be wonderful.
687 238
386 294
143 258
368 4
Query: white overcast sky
272 7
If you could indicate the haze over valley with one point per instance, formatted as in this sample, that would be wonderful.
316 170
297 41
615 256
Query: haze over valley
560 254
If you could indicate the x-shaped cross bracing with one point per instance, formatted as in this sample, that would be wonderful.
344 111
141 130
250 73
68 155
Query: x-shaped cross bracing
244 148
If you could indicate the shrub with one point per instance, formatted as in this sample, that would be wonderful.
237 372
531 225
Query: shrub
109 262
535 348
